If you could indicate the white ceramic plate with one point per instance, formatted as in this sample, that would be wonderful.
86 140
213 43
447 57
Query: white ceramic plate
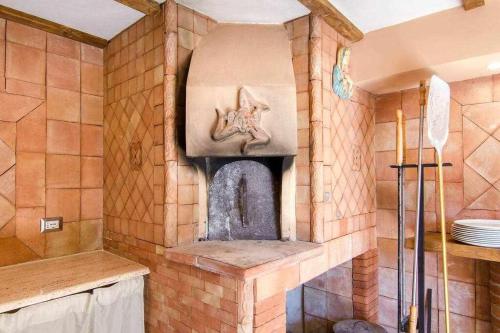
493 225
479 243
476 233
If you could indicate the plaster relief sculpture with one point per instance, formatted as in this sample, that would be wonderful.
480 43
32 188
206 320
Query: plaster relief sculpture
135 155
243 121
342 82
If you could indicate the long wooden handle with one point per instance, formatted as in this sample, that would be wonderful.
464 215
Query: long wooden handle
412 320
400 138
443 244
423 93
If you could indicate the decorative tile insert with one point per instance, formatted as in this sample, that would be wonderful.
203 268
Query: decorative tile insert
482 156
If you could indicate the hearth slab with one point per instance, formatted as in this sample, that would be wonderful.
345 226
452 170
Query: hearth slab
243 259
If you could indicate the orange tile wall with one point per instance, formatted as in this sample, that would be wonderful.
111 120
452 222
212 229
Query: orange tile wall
133 127
471 191
347 198
51 128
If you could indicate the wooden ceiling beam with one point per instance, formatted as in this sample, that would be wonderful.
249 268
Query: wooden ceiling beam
334 18
471 4
145 6
52 27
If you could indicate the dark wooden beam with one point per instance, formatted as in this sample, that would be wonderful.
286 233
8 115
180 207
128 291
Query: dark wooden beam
52 27
146 6
334 18
471 4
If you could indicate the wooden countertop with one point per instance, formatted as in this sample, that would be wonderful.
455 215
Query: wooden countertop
13 251
243 259
432 242
42 280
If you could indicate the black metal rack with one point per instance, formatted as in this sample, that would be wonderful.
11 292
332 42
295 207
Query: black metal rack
402 325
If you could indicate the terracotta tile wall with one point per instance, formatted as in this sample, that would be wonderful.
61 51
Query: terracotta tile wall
328 298
182 178
51 118
471 191
133 132
348 151
342 203
298 32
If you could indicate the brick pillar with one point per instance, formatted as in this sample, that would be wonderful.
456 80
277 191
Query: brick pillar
495 296
365 286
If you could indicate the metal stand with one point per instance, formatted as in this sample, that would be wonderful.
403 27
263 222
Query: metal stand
403 320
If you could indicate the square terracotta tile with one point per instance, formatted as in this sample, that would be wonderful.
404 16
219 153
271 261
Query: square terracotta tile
30 180
63 137
32 132
63 171
473 91
63 104
63 46
28 228
91 235
386 106
92 204
25 35
64 242
24 88
92 172
92 109
63 72
92 54
91 140
92 79
25 63
65 203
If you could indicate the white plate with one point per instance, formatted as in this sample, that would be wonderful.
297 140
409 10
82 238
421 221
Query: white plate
476 234
479 243
476 240
477 231
479 234
493 225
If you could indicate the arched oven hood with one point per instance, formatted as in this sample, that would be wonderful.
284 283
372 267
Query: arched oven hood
241 95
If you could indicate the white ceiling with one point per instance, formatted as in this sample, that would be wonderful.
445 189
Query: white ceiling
369 15
102 18
248 11
106 18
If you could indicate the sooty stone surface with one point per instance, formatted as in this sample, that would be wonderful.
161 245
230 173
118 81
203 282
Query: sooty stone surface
357 326
243 202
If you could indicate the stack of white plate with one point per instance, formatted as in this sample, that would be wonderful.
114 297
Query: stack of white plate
477 232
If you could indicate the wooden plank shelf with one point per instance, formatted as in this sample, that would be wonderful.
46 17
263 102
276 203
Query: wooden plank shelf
432 243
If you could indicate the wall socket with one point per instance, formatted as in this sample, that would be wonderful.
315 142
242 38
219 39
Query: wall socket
49 224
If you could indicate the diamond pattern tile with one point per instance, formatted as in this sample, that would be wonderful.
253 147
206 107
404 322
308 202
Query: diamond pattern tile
352 137
482 156
129 193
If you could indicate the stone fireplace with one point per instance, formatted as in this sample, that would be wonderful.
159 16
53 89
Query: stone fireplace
241 123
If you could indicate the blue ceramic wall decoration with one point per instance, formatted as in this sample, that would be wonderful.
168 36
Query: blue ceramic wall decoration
341 81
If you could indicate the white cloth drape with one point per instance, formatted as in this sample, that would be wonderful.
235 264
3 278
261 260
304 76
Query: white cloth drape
115 309
120 308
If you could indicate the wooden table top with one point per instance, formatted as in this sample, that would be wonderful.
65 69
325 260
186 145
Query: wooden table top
432 242
42 280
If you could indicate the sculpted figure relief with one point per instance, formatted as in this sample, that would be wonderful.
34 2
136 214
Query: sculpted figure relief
243 121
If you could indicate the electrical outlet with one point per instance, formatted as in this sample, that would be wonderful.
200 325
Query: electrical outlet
49 224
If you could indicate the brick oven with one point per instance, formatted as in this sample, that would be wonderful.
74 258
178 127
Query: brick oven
262 178
241 123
